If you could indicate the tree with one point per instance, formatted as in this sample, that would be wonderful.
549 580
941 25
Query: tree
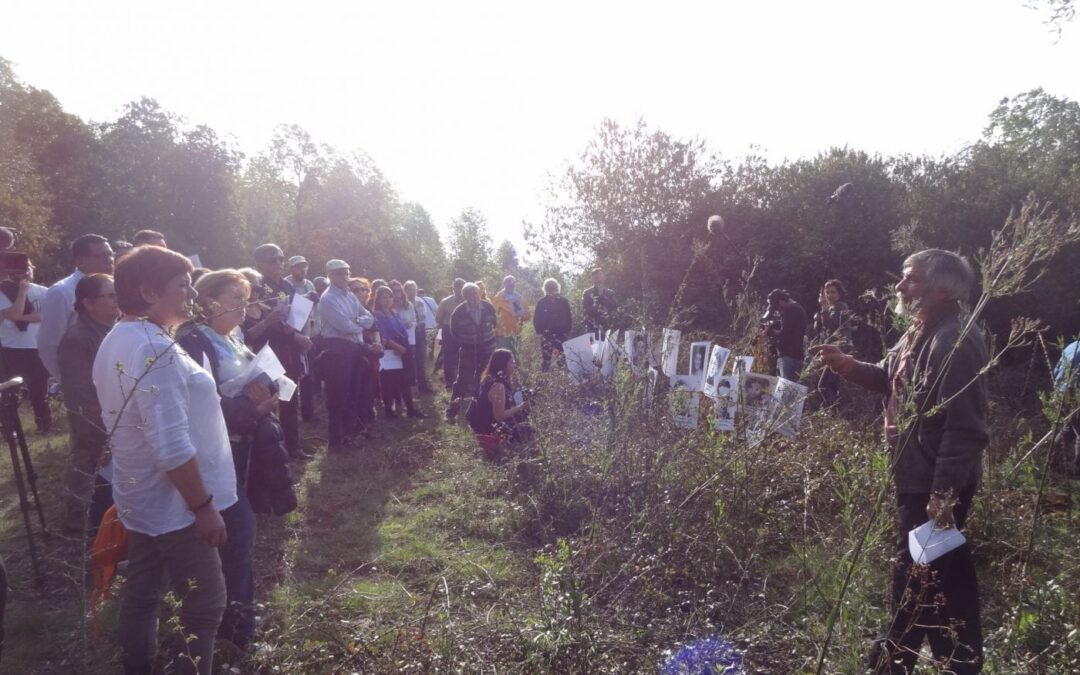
470 246
298 159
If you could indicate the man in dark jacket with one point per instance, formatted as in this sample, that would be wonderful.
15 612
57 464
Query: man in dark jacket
552 321
473 326
599 305
790 336
935 421
288 344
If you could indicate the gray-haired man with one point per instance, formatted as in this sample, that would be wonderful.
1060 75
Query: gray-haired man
935 422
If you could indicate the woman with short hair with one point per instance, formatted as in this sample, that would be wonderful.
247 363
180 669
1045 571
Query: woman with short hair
255 437
172 466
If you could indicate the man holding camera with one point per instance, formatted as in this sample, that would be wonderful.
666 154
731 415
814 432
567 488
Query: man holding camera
789 336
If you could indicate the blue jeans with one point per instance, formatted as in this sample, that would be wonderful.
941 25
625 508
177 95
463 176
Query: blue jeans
238 623
790 368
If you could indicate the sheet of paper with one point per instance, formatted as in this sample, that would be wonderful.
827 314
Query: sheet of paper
286 388
927 543
196 262
299 311
579 356
390 361
264 362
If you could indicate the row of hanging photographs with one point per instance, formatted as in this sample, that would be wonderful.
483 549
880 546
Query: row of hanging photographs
766 403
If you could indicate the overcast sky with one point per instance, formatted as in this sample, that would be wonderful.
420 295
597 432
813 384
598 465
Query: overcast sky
474 104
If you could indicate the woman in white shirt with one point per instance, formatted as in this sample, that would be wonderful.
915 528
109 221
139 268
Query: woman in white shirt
172 466
20 305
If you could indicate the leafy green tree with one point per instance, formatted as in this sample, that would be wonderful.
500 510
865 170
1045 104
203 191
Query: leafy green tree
470 247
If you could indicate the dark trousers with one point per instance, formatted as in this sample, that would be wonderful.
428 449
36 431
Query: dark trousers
394 386
193 571
339 368
450 358
238 622
471 363
26 364
420 353
308 387
548 346
829 386
289 416
939 602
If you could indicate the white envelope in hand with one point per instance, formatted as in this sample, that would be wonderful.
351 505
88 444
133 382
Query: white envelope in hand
927 543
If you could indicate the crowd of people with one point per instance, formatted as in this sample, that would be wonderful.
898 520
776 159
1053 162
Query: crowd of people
175 430
172 427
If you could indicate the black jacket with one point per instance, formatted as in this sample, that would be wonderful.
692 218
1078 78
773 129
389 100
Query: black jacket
258 447
552 317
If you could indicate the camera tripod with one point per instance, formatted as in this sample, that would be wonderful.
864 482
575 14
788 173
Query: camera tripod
11 428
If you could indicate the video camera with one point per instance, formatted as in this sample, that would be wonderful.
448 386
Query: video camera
14 263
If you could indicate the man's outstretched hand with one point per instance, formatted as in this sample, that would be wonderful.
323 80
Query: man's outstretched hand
831 355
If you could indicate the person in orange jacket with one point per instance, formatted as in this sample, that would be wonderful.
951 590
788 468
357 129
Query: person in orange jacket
511 312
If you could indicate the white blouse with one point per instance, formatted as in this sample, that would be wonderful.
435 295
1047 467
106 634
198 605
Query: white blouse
162 409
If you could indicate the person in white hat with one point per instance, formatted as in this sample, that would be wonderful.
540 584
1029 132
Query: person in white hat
340 364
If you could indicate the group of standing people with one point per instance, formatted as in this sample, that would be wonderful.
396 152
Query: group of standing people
142 353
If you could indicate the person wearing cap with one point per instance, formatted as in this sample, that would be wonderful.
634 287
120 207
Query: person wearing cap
298 271
301 285
791 335
340 365
288 344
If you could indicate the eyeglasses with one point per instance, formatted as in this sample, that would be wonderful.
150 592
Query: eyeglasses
279 258
106 295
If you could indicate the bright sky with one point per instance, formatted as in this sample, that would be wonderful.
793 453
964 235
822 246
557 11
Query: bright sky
475 103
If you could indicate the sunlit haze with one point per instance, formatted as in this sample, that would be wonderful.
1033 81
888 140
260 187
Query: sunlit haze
474 104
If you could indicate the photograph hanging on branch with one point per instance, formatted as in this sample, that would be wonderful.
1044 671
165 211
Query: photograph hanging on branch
699 351
741 365
684 407
636 346
717 363
669 355
789 398
727 402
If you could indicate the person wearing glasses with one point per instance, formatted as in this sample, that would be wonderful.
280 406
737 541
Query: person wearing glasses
93 255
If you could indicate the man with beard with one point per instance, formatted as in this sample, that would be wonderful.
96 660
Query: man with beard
935 422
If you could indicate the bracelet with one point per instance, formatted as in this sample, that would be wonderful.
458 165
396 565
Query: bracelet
202 506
